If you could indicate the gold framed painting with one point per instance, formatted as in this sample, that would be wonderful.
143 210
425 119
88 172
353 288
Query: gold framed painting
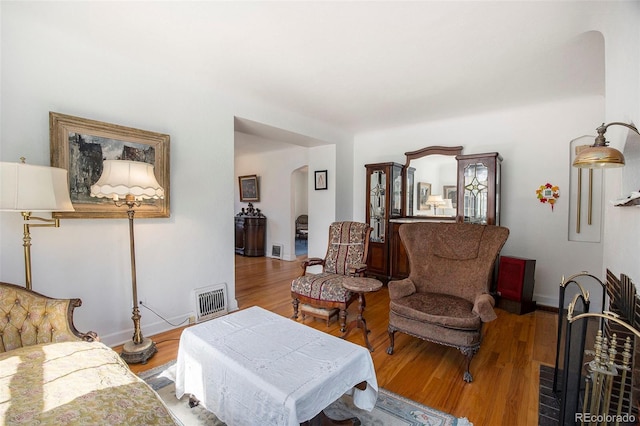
80 145
249 189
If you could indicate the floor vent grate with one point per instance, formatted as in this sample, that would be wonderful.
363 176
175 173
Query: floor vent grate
277 251
210 302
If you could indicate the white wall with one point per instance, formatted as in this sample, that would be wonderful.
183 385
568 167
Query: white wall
534 142
46 67
343 175
622 56
322 203
301 191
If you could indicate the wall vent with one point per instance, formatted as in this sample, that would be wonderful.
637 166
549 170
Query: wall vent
277 251
210 302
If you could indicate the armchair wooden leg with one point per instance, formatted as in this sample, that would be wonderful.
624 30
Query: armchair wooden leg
343 320
392 334
468 353
295 303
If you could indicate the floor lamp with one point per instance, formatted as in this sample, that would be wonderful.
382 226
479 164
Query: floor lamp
127 183
27 189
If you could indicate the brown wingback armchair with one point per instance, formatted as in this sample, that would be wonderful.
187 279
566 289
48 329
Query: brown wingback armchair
346 257
446 297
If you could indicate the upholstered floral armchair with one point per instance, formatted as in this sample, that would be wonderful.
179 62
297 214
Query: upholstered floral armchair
446 297
28 318
346 257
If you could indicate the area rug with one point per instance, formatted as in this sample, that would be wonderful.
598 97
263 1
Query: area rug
391 409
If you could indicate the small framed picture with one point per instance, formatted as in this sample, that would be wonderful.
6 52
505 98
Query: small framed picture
321 179
451 192
249 190
424 190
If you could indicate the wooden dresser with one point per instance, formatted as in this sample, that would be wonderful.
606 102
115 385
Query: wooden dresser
251 234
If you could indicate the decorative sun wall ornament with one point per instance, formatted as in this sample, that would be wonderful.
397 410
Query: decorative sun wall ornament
548 193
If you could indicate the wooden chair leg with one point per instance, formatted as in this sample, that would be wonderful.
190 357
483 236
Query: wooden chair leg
343 320
392 334
295 303
468 353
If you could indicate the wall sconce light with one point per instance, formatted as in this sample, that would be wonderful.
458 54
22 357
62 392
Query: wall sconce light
600 154
128 183
27 188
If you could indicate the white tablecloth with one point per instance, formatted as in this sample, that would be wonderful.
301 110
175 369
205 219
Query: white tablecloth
254 367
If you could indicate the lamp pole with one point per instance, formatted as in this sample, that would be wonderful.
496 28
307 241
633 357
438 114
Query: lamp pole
139 349
26 241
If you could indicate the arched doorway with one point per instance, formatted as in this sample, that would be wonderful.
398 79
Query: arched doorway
299 206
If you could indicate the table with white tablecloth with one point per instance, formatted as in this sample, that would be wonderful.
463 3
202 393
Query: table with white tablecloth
254 367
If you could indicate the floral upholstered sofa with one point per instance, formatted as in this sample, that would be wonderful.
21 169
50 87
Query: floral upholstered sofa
52 374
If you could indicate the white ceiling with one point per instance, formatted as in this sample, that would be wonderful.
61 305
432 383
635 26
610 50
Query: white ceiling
253 137
361 65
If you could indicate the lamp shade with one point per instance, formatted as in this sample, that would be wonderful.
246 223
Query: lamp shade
600 154
434 199
446 204
122 177
30 188
599 157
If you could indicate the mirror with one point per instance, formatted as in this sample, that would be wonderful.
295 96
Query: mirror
431 182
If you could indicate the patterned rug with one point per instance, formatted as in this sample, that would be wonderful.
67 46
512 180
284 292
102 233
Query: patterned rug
390 410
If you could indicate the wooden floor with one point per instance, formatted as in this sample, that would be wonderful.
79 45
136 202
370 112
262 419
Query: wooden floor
505 370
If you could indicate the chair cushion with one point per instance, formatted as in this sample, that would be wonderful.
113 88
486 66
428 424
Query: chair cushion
324 286
439 309
461 339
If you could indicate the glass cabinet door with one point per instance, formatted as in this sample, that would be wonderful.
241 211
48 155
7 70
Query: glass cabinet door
476 193
377 194
385 187
479 188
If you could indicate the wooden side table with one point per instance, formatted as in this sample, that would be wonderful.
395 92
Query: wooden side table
361 285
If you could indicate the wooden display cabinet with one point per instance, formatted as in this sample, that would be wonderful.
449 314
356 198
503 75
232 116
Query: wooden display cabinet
384 201
399 257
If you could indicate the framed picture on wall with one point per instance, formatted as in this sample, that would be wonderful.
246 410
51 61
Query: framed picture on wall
451 192
321 179
80 145
249 190
424 190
